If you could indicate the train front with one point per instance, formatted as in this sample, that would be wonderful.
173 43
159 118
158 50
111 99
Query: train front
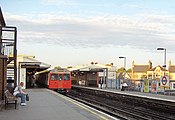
60 81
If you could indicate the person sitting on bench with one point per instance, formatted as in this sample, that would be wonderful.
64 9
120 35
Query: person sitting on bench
18 92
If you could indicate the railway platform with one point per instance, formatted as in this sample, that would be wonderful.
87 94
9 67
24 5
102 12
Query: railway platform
154 96
144 95
45 104
129 104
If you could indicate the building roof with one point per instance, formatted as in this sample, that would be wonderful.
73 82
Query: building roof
153 69
140 68
31 62
2 21
92 67
172 68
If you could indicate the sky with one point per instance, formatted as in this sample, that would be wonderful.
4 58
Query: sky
76 32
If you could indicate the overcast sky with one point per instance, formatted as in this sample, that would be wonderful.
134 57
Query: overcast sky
75 32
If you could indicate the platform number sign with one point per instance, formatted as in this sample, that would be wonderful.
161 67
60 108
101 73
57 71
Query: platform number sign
164 81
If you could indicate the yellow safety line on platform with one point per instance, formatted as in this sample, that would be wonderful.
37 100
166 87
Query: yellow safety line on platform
75 102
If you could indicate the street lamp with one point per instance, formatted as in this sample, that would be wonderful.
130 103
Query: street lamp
164 61
164 56
122 57
124 61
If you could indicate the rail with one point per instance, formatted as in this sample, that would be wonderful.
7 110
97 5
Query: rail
119 109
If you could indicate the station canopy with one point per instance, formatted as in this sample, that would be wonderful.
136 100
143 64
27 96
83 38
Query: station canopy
31 63
89 68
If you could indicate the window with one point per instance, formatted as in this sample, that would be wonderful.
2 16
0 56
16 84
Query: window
54 77
150 76
60 77
66 77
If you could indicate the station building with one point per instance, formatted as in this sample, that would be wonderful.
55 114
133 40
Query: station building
141 72
27 66
90 75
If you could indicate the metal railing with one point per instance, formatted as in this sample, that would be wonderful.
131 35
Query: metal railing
8 47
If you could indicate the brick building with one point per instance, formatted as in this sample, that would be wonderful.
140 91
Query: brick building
3 59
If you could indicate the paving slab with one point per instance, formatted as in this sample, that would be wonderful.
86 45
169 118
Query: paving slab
47 105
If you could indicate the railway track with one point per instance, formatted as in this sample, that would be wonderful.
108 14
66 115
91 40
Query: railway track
117 109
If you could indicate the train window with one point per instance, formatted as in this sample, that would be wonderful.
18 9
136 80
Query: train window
60 77
54 77
66 77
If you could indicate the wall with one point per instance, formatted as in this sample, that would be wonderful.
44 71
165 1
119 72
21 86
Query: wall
3 74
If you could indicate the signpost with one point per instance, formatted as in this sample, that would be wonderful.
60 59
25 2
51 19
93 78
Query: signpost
164 82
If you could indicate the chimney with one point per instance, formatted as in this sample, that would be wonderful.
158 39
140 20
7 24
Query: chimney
150 64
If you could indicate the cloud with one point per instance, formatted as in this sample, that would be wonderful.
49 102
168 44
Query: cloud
131 6
59 2
144 31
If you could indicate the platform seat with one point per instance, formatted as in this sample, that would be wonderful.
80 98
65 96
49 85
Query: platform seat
10 99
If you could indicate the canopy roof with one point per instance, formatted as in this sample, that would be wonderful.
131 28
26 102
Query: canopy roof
31 62
2 21
93 67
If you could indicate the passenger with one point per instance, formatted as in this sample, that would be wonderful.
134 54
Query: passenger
121 87
101 83
33 81
18 92
124 85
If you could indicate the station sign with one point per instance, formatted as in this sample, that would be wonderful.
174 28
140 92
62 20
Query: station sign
164 81
30 66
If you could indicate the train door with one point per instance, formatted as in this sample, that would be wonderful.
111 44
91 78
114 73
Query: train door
53 82
60 81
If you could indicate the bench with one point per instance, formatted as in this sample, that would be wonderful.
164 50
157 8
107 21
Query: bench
9 98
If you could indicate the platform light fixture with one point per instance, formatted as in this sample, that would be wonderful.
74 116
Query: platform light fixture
164 56
124 61
122 57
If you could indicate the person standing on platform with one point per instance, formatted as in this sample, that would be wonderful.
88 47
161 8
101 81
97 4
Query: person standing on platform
121 87
101 83
125 86
18 92
33 81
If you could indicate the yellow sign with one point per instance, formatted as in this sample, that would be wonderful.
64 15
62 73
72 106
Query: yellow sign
146 85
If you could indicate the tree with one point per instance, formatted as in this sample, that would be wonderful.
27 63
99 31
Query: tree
121 69
69 67
129 70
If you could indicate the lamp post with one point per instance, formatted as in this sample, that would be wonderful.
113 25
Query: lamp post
124 61
164 56
122 57
164 61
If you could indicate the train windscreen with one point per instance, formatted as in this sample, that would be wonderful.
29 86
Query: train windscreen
60 77
54 77
66 76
